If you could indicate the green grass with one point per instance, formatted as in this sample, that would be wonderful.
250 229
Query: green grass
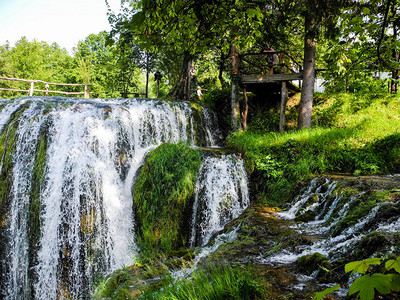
217 282
357 134
162 195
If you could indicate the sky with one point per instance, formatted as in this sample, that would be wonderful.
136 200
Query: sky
65 22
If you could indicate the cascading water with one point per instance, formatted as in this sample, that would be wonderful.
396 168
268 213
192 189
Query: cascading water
337 232
67 217
221 195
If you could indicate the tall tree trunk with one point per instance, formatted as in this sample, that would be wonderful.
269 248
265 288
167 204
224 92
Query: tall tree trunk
307 93
235 87
221 69
183 92
395 56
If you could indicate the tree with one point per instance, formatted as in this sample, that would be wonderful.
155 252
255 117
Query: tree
317 14
190 27
367 42
113 71
35 60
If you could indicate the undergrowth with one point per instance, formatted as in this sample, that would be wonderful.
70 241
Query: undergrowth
352 133
162 192
216 282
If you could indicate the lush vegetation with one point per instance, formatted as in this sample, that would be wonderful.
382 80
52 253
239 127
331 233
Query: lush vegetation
216 282
213 282
354 133
366 286
162 195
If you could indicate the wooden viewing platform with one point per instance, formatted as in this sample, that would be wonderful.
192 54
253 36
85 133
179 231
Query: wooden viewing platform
264 70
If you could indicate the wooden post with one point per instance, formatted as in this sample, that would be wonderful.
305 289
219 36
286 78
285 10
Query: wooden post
47 89
31 89
246 109
87 95
284 98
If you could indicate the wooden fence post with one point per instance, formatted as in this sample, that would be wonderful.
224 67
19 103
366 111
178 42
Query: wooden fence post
31 90
87 95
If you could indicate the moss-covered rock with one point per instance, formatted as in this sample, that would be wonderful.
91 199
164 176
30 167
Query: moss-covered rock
163 197
315 263
306 216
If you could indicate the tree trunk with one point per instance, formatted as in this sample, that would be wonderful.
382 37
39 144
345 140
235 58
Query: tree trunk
395 56
235 87
221 69
183 92
307 93
147 75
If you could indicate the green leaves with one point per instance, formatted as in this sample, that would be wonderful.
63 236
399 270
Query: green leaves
321 295
393 264
361 266
366 286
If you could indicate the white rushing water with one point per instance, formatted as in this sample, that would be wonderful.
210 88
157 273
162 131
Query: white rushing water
94 150
221 195
331 239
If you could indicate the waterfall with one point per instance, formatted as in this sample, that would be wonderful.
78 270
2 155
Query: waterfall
221 195
67 216
336 230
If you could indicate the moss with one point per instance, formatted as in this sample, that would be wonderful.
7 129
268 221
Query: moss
163 194
306 217
316 262
372 243
359 209
35 206
198 125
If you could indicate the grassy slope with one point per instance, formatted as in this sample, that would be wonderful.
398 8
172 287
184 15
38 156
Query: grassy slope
352 133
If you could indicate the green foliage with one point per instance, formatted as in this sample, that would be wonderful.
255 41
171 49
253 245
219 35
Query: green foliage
356 134
125 283
366 42
321 295
216 282
162 194
366 286
110 70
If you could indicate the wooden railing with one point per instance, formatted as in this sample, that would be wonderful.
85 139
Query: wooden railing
31 88
260 63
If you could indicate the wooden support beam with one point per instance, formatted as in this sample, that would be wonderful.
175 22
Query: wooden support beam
246 109
271 78
284 98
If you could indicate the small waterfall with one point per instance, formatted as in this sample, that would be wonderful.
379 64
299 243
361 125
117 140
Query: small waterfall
330 207
68 214
221 196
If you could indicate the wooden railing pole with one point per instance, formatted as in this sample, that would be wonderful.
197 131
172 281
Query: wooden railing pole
31 90
87 95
